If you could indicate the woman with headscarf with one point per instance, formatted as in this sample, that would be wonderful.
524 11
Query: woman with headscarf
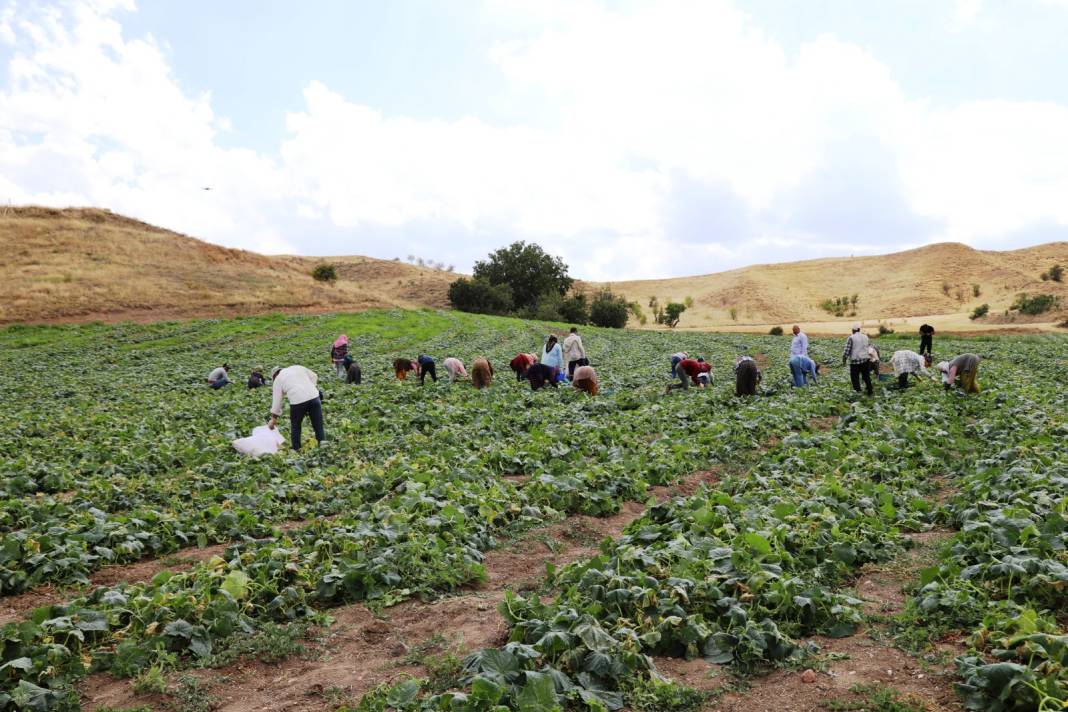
746 376
401 367
481 373
585 379
338 352
552 355
521 363
455 368
541 375
966 366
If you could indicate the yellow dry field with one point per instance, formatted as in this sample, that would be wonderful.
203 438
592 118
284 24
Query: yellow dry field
80 264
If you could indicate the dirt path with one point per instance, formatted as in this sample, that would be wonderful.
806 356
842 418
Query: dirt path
862 659
362 650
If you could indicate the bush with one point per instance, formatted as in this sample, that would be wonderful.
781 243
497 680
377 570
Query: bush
479 296
976 290
775 331
671 314
1038 304
575 309
884 330
980 311
609 310
527 271
325 273
1056 273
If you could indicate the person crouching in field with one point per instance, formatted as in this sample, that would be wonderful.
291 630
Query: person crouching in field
520 364
675 359
353 374
455 368
803 369
218 377
401 367
908 363
585 379
299 386
427 368
481 373
689 371
541 375
256 379
746 376
966 366
338 352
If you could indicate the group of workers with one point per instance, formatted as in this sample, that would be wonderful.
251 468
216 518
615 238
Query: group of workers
568 363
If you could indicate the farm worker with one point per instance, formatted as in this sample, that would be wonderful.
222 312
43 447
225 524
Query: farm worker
481 373
926 339
338 352
426 366
574 352
353 374
521 363
907 362
856 353
401 366
746 376
298 385
455 368
874 360
585 379
802 368
967 367
218 377
539 375
675 358
551 355
799 344
688 370
256 379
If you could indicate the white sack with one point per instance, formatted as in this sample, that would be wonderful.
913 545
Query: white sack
263 441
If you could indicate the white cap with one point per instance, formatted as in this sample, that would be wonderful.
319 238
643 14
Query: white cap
856 326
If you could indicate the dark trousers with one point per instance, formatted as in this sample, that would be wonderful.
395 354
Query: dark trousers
858 371
314 410
684 381
355 376
427 369
903 380
572 365
674 362
925 343
224 381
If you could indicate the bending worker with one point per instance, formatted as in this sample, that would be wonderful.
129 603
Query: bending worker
908 363
298 385
966 366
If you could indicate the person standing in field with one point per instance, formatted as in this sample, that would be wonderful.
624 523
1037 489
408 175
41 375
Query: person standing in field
426 367
926 339
966 366
521 363
574 352
798 355
675 359
298 385
690 371
481 373
551 354
455 368
746 375
856 353
338 352
908 363
401 367
585 379
218 377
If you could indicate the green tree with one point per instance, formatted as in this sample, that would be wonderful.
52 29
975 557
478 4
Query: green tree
325 273
607 309
575 309
528 272
672 312
479 296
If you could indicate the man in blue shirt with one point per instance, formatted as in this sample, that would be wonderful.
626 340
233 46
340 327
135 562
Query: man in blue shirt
800 363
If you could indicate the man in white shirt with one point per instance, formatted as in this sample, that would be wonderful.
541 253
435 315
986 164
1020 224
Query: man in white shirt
798 356
574 352
298 385
218 377
799 345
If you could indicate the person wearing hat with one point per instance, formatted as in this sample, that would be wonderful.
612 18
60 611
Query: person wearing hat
856 353
907 363
966 366
299 386
338 352
218 377
746 375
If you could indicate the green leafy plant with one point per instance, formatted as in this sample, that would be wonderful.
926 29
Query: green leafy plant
325 273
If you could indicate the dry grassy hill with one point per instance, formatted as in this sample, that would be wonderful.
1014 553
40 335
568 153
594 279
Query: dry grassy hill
82 263
932 283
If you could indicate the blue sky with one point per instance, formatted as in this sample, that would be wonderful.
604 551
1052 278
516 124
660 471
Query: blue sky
635 139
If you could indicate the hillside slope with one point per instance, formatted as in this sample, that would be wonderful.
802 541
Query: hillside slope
82 263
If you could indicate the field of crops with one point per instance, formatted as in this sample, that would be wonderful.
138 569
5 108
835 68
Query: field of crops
135 543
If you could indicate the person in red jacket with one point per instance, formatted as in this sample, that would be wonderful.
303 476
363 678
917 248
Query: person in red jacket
520 364
689 371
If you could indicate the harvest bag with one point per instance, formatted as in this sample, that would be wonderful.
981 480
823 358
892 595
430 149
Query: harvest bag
263 441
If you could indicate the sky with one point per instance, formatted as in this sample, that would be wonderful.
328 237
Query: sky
633 139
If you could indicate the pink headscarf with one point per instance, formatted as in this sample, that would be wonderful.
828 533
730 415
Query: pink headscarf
341 341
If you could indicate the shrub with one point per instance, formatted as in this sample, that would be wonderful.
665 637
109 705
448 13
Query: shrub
775 331
575 309
734 314
479 296
946 286
609 310
671 314
1038 304
1056 273
325 273
840 305
884 330
976 290
980 311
